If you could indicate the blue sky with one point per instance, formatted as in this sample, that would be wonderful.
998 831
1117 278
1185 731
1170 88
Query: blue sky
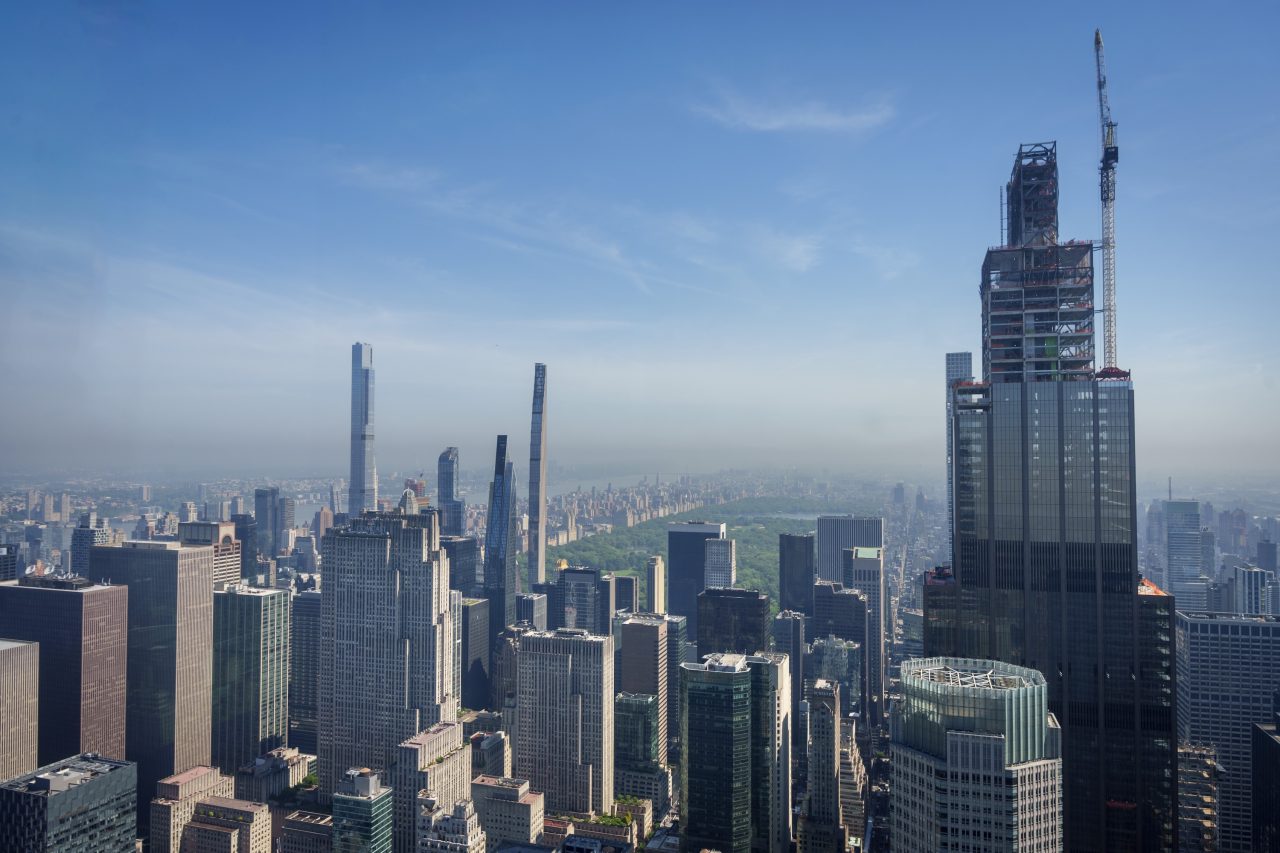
737 233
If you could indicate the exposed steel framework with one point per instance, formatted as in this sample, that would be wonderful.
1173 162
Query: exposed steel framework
1107 175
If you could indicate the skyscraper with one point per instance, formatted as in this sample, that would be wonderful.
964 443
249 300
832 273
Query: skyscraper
89 532
451 508
304 669
720 566
82 630
250 674
643 667
686 566
1182 553
733 620
736 764
500 582
362 486
838 532
864 571
655 574
971 732
266 515
170 655
789 639
1045 549
796 572
564 724
437 760
19 707
475 652
387 641
362 814
79 804
221 535
537 556
959 369
1227 681
823 826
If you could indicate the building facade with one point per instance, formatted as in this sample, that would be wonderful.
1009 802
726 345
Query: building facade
976 759
81 804
250 674
500 581
838 532
537 551
563 741
796 572
169 702
686 566
388 638
82 629
1227 679
304 669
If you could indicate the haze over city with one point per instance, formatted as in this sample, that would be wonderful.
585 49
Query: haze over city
739 236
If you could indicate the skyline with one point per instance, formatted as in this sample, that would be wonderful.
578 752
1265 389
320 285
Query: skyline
247 225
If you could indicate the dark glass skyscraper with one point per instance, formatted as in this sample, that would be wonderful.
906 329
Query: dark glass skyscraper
538 479
1044 537
686 567
796 572
499 545
362 486
451 508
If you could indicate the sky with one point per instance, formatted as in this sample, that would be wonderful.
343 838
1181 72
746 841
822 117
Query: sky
738 234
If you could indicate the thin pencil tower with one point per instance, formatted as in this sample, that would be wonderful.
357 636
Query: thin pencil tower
1107 172
537 554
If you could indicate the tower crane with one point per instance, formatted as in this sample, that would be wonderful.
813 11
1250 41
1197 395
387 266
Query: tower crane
1107 172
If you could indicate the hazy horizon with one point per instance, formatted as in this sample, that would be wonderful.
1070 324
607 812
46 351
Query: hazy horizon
737 240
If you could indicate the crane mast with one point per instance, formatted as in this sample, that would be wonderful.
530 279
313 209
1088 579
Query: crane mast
1107 173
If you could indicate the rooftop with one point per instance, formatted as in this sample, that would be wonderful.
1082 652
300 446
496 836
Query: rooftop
971 673
9 644
63 775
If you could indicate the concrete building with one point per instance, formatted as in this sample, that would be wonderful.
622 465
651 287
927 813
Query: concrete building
836 533
306 832
387 632
81 804
362 484
735 763
175 803
226 825
686 566
976 759
655 575
89 532
1197 799
863 570
362 814
822 828
82 629
221 536
490 754
436 760
509 811
170 655
644 667
532 607
565 727
306 611
796 572
455 830
720 563
250 673
732 620
1227 678
272 774
1182 553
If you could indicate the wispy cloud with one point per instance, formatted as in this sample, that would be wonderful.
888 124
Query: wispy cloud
739 112
794 252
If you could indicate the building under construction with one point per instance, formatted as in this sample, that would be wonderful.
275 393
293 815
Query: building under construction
1037 294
